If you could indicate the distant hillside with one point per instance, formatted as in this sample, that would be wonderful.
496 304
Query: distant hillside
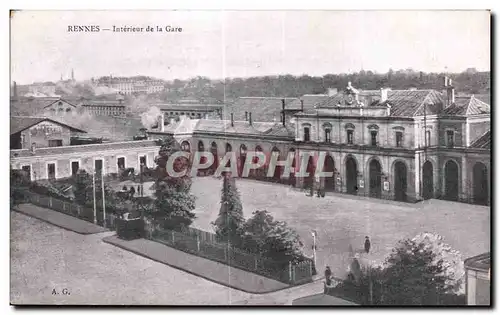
468 82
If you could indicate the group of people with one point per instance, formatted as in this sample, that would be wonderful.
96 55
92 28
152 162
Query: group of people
328 271
131 192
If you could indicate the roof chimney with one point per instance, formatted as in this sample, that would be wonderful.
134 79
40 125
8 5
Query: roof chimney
246 116
383 95
33 148
250 118
302 105
283 117
232 120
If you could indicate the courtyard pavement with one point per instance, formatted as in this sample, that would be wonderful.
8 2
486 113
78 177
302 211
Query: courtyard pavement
60 219
343 221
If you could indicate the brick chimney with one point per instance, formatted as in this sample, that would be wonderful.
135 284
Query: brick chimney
302 105
250 118
383 94
232 120
283 116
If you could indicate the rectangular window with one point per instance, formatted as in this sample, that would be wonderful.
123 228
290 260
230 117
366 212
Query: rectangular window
327 135
98 167
51 171
75 166
350 136
55 143
399 139
373 134
450 138
307 134
428 138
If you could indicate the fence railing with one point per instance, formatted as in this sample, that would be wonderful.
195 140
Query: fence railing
204 244
69 208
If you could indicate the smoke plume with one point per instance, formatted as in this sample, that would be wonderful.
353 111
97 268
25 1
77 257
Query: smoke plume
149 118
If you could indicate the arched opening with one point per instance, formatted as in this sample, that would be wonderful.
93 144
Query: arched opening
428 181
400 181
291 179
185 146
278 169
259 172
480 183
213 150
311 169
203 159
451 180
242 158
375 173
329 167
229 148
351 171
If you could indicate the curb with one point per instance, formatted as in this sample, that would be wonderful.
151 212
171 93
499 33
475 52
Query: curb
59 225
109 241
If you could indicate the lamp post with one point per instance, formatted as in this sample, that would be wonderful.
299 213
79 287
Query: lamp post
93 196
314 235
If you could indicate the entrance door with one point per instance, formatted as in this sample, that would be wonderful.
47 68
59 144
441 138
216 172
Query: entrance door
278 168
451 181
121 163
98 167
27 170
51 171
309 180
400 181
351 176
481 192
428 181
329 167
75 166
215 164
375 179
291 179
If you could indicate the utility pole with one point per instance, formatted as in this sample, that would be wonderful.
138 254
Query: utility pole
93 196
103 200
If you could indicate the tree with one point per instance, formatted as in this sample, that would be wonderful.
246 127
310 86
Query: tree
274 239
174 203
19 183
230 220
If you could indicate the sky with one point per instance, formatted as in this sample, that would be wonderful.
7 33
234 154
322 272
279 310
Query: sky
220 44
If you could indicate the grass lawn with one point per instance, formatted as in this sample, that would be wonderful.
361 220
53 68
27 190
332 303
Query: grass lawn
342 221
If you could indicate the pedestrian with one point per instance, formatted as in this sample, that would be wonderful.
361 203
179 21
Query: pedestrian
367 244
328 275
132 191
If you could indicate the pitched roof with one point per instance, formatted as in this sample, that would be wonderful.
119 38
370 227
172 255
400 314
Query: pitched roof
406 103
263 109
483 142
310 100
467 105
187 107
20 123
480 262
244 127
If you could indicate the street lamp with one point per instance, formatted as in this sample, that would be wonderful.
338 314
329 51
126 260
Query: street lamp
314 236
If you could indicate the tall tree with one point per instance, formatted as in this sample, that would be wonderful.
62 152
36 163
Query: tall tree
230 220
174 203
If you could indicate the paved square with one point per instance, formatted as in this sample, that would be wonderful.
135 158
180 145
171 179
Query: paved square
342 221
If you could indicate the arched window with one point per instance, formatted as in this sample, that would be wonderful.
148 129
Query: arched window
201 146
327 128
243 149
349 133
185 146
307 132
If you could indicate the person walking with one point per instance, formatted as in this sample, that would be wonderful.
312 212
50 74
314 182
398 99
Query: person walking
367 244
328 275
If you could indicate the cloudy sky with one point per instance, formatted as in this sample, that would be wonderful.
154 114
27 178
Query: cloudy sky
221 44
